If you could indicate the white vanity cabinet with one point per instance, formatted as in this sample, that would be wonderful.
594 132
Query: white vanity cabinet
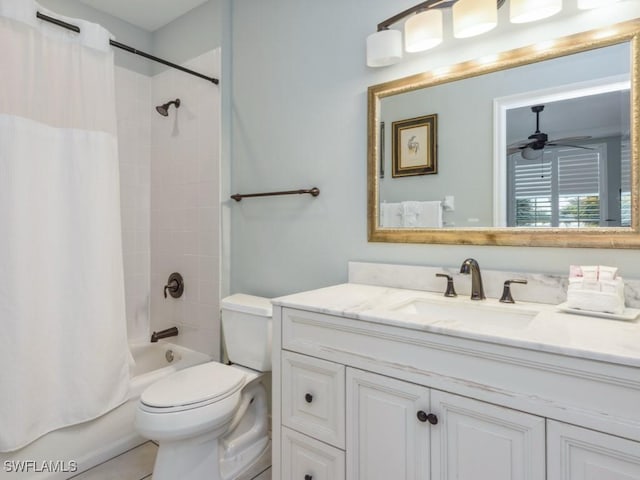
476 440
358 399
576 453
304 458
313 397
391 433
385 439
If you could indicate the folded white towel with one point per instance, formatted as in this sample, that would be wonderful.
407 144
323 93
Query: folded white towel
391 215
422 214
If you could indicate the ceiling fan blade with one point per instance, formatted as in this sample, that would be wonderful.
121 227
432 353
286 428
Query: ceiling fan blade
512 150
521 143
571 139
565 145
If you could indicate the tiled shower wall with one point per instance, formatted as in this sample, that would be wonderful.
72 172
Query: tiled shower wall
185 152
133 107
169 180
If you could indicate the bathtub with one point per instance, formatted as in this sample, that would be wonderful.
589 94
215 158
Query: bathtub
85 445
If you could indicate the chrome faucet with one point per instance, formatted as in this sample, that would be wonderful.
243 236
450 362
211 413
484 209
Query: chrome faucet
470 266
169 332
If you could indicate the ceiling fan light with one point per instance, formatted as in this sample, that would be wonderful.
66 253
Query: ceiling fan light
384 48
529 153
474 17
423 31
524 11
587 4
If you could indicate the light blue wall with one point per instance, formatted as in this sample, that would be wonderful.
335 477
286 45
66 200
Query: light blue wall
298 111
189 36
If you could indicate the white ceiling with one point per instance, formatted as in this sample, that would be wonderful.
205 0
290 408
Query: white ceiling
595 115
147 14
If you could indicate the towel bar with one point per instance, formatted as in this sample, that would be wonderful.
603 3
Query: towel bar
312 191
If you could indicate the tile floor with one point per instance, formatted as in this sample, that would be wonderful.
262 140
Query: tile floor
135 464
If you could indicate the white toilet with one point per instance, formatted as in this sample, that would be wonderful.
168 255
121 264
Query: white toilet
211 420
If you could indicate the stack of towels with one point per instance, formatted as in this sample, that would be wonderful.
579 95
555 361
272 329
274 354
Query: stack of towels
411 214
596 288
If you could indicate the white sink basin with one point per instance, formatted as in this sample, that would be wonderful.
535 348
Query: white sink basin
464 312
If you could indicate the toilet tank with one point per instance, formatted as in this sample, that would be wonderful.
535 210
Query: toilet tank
246 324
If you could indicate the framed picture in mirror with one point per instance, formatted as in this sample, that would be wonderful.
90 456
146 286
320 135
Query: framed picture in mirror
415 146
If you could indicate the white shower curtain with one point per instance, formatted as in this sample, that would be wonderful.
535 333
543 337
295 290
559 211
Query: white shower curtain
63 346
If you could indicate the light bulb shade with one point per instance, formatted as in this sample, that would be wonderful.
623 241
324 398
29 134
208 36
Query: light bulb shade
529 153
384 48
587 4
523 11
473 17
423 31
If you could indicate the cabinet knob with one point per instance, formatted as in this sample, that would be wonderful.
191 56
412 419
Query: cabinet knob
308 398
308 477
427 417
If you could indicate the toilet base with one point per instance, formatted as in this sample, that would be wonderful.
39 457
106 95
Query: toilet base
259 465
225 453
195 458
196 461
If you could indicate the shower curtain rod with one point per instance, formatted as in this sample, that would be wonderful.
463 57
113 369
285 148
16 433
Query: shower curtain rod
129 49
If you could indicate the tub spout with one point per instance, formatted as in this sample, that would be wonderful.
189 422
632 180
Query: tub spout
169 332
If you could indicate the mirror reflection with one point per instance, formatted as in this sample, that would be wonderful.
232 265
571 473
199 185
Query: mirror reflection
574 168
540 145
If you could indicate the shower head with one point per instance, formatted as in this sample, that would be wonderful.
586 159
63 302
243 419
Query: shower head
164 109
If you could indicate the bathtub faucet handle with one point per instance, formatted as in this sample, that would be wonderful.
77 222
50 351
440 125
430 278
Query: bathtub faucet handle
175 285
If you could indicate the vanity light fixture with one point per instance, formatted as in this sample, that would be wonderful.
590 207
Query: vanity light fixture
588 4
474 17
384 48
423 28
524 11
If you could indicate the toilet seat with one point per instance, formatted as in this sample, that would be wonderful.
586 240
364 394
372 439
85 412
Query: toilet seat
192 388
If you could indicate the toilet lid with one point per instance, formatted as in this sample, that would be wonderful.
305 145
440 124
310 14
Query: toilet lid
205 383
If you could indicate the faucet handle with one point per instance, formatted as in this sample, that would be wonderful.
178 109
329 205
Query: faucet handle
451 291
506 292
175 285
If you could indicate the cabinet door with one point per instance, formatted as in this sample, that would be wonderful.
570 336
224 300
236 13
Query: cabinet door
474 440
575 453
385 439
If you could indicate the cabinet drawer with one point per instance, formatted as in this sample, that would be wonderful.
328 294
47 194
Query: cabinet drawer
304 458
313 397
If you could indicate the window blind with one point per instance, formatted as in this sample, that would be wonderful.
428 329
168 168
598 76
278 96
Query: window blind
625 184
560 189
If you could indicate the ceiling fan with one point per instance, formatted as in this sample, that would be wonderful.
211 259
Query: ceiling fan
534 146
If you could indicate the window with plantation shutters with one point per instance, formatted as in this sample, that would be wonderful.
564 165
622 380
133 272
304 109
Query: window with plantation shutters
625 184
561 189
531 193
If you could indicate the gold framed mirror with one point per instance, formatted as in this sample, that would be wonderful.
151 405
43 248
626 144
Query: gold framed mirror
471 199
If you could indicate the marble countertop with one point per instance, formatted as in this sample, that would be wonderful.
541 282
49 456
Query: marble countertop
540 327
